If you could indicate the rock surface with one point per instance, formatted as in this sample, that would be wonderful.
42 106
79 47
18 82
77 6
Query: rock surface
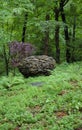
37 84
37 65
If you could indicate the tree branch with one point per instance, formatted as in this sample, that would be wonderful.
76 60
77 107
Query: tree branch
65 2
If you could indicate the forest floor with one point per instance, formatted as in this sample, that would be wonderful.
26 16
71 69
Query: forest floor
43 103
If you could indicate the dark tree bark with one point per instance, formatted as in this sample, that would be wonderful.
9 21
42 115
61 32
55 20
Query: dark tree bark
74 27
56 12
46 39
73 39
24 27
67 39
6 60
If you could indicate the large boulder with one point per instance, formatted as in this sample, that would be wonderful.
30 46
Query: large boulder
37 65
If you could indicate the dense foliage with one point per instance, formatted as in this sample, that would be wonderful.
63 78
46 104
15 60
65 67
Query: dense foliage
42 103
52 26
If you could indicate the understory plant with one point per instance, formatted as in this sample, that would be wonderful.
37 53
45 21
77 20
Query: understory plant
55 105
20 50
9 81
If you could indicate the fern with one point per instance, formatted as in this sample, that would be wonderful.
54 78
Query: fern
8 82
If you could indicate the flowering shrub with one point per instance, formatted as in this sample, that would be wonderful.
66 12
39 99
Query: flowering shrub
20 50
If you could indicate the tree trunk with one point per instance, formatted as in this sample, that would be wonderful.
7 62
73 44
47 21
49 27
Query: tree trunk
46 39
74 27
73 40
6 61
24 27
56 12
67 39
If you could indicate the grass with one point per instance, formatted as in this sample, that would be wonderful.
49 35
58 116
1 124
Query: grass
56 104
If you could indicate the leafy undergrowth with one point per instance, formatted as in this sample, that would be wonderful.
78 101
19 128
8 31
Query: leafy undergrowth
43 103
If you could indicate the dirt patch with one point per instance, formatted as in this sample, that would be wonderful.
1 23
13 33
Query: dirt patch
35 110
63 92
61 114
78 129
17 128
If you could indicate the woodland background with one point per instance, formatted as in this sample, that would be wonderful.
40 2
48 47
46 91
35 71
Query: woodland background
54 27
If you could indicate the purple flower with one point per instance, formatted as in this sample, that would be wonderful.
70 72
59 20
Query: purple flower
20 50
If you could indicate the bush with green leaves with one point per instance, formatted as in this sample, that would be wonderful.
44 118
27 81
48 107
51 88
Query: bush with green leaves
10 81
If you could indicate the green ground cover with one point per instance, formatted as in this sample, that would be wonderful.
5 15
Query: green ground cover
43 103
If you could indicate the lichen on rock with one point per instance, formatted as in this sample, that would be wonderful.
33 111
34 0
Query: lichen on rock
37 65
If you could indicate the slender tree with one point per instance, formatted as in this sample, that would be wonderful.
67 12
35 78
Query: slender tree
6 59
56 13
24 27
46 39
74 28
67 39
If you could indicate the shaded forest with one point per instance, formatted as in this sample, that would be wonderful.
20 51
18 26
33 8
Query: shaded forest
40 64
53 27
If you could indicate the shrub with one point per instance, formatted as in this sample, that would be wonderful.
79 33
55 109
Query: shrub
20 50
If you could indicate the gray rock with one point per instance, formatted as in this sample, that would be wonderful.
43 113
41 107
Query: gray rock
37 65
37 84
